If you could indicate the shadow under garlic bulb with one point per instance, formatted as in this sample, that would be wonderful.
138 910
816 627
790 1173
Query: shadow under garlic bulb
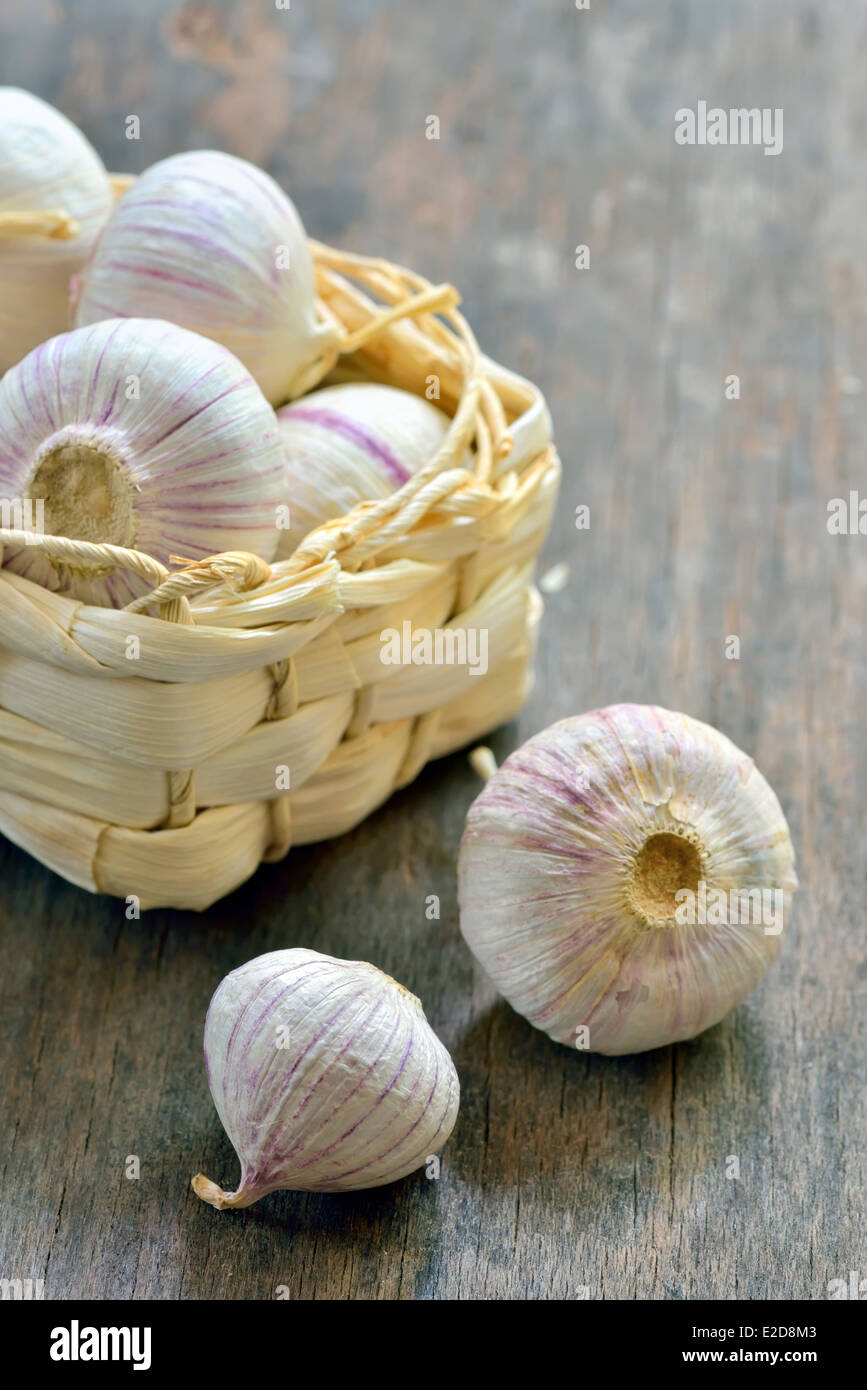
353 443
625 877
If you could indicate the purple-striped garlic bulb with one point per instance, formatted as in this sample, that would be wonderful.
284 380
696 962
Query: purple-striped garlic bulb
210 242
55 198
326 1075
352 443
625 878
136 433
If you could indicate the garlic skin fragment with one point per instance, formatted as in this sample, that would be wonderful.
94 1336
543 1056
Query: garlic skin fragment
326 1075
571 861
46 165
136 433
210 242
352 443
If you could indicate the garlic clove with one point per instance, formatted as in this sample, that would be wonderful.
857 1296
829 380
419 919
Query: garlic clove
584 858
326 1076
348 444
46 167
210 242
137 433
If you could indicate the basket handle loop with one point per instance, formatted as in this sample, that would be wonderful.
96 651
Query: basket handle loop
51 224
431 301
54 224
239 571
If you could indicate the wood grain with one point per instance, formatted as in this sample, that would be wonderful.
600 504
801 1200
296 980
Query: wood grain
568 1175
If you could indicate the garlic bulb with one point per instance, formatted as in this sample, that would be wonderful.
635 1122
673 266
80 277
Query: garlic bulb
139 434
624 878
349 444
46 166
210 242
326 1075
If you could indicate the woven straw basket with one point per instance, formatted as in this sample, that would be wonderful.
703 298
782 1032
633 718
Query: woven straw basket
158 777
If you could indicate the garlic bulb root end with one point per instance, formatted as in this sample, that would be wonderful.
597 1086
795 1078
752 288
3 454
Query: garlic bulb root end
86 488
667 862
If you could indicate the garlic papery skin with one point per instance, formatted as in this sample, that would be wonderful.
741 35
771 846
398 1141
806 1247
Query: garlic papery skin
136 433
46 167
326 1075
348 444
212 243
584 857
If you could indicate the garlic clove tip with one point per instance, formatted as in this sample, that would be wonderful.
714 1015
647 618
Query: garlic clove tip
212 1193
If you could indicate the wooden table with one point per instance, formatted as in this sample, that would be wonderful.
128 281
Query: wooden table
566 1172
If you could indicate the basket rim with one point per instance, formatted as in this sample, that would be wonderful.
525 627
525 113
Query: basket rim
500 414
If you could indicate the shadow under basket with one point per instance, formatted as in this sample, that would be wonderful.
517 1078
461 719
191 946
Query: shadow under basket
163 751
